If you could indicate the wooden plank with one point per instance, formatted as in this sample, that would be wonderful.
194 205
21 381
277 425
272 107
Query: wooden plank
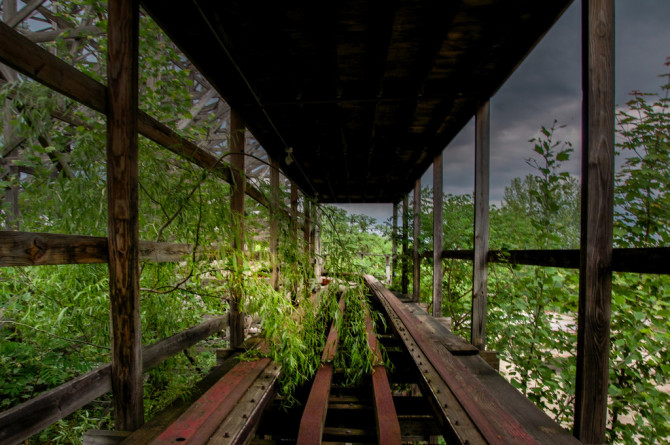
22 421
41 249
242 421
493 422
404 267
536 421
481 227
236 145
197 424
386 419
416 260
316 408
595 272
437 235
394 242
274 222
123 213
40 65
102 437
439 334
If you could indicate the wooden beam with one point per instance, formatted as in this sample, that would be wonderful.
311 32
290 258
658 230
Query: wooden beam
394 243
122 210
24 12
32 416
237 215
294 211
416 259
405 216
274 222
40 65
481 227
437 235
595 272
42 249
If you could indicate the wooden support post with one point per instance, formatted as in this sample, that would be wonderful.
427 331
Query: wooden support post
394 243
416 259
307 228
274 222
294 211
595 273
405 216
481 227
316 232
437 236
122 209
388 269
236 323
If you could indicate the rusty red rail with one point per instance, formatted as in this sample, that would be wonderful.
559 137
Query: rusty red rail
495 424
314 416
200 421
388 427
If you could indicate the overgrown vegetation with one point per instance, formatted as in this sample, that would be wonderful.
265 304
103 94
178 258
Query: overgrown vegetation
532 310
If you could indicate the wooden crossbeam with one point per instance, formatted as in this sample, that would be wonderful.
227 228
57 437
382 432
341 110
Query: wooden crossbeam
19 423
35 62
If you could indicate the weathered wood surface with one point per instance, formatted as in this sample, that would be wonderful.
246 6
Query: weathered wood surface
242 421
439 334
314 416
631 260
416 259
386 419
595 271
202 418
35 62
394 242
495 424
274 223
41 249
438 229
123 214
237 158
103 437
404 281
19 423
481 227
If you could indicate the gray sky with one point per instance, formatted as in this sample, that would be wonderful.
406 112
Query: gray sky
547 86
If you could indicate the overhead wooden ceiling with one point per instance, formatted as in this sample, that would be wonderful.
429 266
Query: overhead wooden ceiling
356 97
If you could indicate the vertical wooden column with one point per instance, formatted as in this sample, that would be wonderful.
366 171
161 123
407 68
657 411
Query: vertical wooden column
394 242
595 273
236 324
294 211
122 209
416 260
274 222
437 236
481 227
307 227
316 242
404 281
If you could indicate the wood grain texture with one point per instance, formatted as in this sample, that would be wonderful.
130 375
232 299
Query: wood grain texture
416 259
404 279
481 227
394 242
237 130
274 223
41 249
438 228
122 211
595 272
439 334
19 423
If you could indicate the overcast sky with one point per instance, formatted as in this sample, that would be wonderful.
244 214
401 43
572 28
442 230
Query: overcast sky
547 86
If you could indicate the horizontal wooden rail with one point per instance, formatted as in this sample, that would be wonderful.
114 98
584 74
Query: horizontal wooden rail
41 249
19 423
35 62
652 260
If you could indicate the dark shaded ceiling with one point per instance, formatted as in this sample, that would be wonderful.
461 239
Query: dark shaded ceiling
363 94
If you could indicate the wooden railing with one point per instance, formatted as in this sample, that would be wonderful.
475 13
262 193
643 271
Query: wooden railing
22 421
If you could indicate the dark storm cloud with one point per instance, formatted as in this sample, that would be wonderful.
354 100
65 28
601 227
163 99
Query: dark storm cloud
547 87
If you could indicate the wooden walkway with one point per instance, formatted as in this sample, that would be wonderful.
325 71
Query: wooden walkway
438 385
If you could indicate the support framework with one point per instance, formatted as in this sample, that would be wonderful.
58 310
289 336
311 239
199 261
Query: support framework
237 214
437 235
416 259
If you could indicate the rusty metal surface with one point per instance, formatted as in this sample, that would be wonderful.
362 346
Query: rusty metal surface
386 418
198 423
494 423
316 408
